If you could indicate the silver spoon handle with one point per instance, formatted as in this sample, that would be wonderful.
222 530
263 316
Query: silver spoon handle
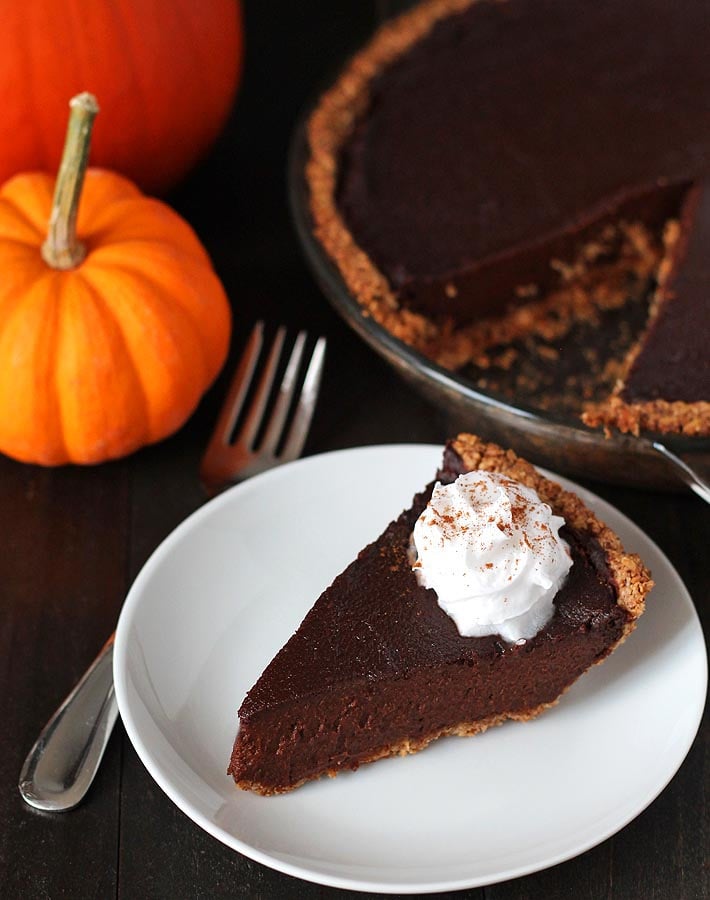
690 476
60 767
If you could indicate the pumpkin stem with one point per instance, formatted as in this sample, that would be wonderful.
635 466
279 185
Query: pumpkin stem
62 250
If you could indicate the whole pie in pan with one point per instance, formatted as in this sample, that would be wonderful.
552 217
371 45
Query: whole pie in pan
487 170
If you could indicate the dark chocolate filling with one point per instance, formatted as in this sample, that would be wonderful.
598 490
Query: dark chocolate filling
513 131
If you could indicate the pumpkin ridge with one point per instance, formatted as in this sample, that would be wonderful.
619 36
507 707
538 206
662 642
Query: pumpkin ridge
167 297
100 242
19 242
36 405
160 300
128 359
142 268
182 237
55 292
21 292
103 194
19 213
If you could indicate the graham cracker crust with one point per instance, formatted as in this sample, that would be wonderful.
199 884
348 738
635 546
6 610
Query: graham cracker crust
662 416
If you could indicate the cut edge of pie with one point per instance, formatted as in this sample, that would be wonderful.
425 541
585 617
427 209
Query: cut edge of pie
633 417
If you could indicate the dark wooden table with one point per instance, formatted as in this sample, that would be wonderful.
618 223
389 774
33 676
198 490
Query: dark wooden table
73 540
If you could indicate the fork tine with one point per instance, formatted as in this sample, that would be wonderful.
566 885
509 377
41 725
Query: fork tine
226 461
306 404
254 416
286 392
243 375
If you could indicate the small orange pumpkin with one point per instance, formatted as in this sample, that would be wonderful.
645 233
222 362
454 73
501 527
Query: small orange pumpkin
112 325
166 72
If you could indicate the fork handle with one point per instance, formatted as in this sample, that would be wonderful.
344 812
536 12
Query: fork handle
61 765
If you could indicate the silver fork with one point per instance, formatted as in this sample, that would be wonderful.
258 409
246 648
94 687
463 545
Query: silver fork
61 766
223 457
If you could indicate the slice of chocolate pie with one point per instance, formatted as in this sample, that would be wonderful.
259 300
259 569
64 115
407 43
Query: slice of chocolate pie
378 667
488 170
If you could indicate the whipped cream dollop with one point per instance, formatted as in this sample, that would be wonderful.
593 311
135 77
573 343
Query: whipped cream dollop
491 550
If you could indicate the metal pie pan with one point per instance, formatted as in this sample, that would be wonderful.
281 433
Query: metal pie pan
560 443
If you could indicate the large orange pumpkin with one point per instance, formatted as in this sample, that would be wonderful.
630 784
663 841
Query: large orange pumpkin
166 72
113 327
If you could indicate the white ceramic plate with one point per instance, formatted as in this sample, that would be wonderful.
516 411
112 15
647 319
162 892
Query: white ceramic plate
223 593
